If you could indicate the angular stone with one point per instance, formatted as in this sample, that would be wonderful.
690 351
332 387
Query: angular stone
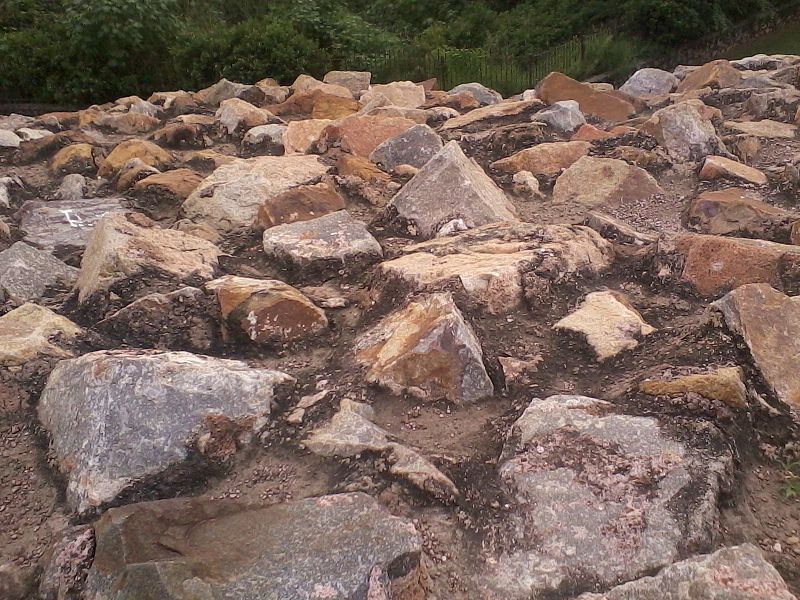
9 139
725 384
598 498
769 323
230 197
361 135
355 81
488 115
181 135
192 548
448 188
547 159
64 225
171 186
608 323
764 129
428 350
415 147
130 123
73 187
735 211
609 182
492 267
719 167
561 117
360 167
107 440
266 138
27 134
683 132
482 94
300 203
131 172
237 116
145 151
127 246
300 136
331 242
26 274
609 106
716 74
399 93
316 102
217 93
590 133
75 158
306 83
267 310
31 331
329 106
649 82
734 573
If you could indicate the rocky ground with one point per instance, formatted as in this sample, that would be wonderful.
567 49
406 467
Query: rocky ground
342 340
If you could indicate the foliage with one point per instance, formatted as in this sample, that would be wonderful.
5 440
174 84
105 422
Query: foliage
791 487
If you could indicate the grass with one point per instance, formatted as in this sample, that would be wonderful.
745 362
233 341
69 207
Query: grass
785 40
791 474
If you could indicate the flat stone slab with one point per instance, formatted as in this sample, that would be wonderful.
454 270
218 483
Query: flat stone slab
119 418
27 273
340 547
766 129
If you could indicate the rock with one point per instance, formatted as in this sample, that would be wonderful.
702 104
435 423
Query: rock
725 384
361 135
258 552
31 331
237 116
329 106
306 83
28 274
415 147
75 158
129 248
351 432
15 582
265 138
14 121
449 187
181 135
217 93
486 116
461 101
130 123
335 241
492 268
176 102
73 188
428 350
526 184
229 198
267 310
363 168
317 104
399 93
9 139
764 129
608 496
780 105
735 573
760 62
655 160
608 182
768 322
107 441
608 322
482 94
300 136
683 132
27 134
735 211
64 226
716 74
561 117
132 172
719 167
66 564
609 106
355 81
618 231
6 185
300 203
145 151
590 133
170 187
547 159
646 83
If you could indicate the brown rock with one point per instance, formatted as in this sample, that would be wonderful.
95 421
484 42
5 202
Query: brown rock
358 166
129 123
177 184
31 331
603 182
494 113
299 204
639 157
794 235
547 159
145 151
235 116
590 133
180 135
305 102
328 106
610 106
132 171
301 135
461 101
725 384
736 211
719 167
716 74
360 135
764 129
398 93
76 158
208 160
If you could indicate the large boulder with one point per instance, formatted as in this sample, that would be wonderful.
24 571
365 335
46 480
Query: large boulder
108 441
450 187
684 132
486 116
75 158
160 195
399 93
716 74
300 203
337 547
235 116
609 106
719 167
426 349
229 198
649 82
562 117
214 95
27 273
415 147
145 151
482 94
300 136
736 211
609 182
361 135
355 81
31 332
547 159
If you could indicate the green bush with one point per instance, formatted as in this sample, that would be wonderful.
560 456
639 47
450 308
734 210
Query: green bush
32 65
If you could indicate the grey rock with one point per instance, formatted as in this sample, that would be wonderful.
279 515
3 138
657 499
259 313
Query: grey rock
26 273
118 419
355 81
736 573
333 241
482 94
15 121
599 498
27 134
143 107
15 582
649 82
564 116
9 139
220 91
268 138
66 564
684 133
64 225
450 186
6 185
73 188
415 147
760 62
329 548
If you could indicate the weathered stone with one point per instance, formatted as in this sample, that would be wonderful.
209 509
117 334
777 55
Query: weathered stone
683 132
27 133
126 246
655 160
129 123
399 93
181 135
265 138
267 310
306 83
759 62
300 203
608 322
32 331
719 167
590 133
329 106
488 115
174 101
15 582
27 274
237 116
716 74
734 573
9 139
230 197
561 117
648 82
482 94
15 121
355 81
107 440
66 563
449 187
73 187
461 101
769 323
428 350
171 186
180 548
75 158
64 225
494 266
764 129
316 103
547 159
735 211
415 147
300 136
609 106
725 384
131 172
526 184
331 242
780 105
217 93
351 432
145 151
609 182
361 135
616 230
598 498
